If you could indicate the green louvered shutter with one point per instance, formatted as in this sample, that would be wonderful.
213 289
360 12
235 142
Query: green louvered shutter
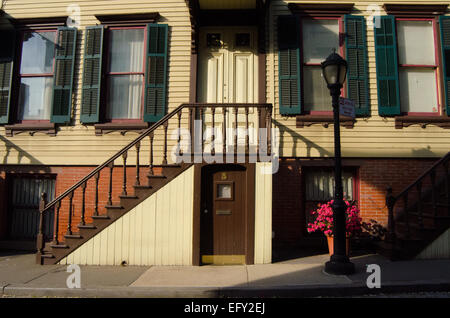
6 72
289 65
92 75
444 23
63 81
156 74
387 67
356 53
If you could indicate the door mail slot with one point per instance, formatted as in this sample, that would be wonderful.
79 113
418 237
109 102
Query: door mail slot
223 212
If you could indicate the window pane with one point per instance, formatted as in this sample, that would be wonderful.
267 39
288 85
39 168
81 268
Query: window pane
35 98
127 50
320 185
416 42
38 51
125 96
320 37
418 90
316 94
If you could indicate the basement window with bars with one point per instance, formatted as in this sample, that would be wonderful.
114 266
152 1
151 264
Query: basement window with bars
24 207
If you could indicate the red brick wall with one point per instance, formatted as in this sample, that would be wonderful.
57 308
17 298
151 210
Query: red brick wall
373 176
66 177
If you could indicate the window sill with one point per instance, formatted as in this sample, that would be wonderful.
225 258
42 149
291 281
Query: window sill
123 128
324 120
423 121
46 128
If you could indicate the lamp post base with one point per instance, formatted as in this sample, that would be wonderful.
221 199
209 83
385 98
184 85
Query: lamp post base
339 265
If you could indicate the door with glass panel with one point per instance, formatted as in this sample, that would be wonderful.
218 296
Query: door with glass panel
228 73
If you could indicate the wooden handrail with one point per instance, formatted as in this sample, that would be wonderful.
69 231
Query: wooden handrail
422 176
144 134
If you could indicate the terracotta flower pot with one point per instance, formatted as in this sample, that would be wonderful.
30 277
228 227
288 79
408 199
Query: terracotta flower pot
330 240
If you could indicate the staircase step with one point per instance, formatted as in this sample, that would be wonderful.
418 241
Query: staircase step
59 246
156 176
47 256
87 227
73 236
100 217
128 197
113 207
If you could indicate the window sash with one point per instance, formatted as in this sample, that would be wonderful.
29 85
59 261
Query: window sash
120 110
319 103
27 110
410 102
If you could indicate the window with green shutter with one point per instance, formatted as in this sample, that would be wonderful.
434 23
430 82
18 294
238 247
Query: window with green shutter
156 73
6 73
356 55
92 75
387 67
289 65
445 46
63 79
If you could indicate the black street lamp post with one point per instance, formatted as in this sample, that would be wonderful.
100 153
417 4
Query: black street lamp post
334 70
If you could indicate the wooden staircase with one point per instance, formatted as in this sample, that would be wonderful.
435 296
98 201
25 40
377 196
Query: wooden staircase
419 214
96 212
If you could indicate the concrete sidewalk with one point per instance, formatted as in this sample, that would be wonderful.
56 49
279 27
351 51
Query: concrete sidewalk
303 277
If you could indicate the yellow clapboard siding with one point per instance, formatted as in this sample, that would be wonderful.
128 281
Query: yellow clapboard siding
156 232
263 213
46 150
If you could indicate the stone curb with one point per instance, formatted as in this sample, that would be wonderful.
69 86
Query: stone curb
354 289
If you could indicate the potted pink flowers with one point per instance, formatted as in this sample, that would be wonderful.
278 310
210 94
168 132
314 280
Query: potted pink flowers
323 221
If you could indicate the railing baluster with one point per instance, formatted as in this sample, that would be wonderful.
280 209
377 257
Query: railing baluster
201 129
390 202
213 138
433 192
259 129
97 177
447 187
83 202
419 205
165 125
150 167
111 167
224 130
40 242
69 223
138 147
235 129
180 151
405 200
124 184
247 137
191 129
269 131
56 228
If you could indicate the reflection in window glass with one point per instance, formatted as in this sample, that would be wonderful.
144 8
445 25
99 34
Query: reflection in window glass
320 37
224 191
35 98
317 95
124 96
38 51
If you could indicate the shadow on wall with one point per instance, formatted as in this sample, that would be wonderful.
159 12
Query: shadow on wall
21 153
296 139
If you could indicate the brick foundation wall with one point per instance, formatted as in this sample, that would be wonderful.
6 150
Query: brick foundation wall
67 177
373 177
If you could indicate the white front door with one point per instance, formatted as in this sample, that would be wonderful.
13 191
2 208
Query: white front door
228 73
